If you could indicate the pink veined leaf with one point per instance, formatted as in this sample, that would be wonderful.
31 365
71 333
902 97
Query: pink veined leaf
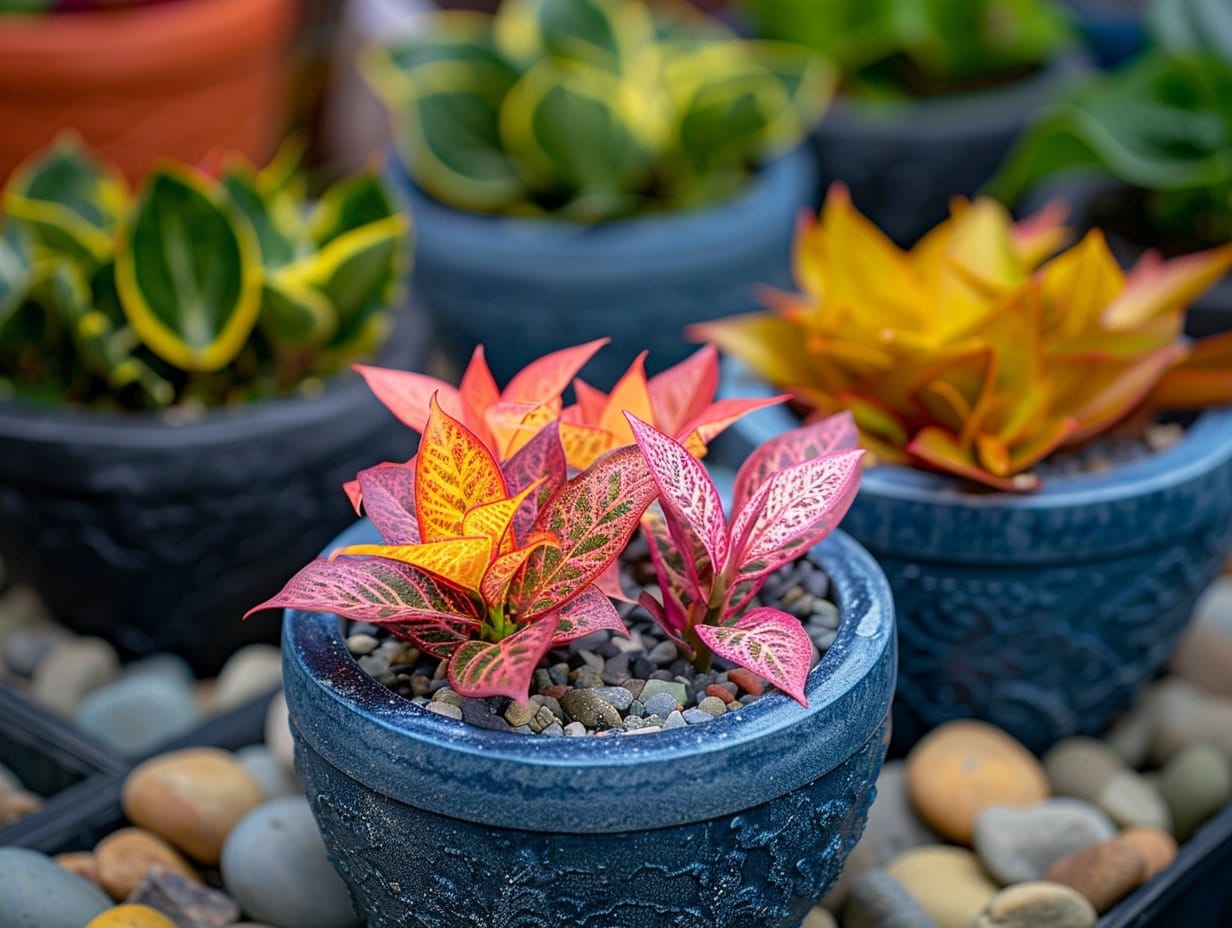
548 376
481 668
716 417
680 393
369 590
687 494
495 585
770 643
670 626
683 590
836 433
406 394
591 611
593 516
794 510
387 493
541 457
608 583
437 634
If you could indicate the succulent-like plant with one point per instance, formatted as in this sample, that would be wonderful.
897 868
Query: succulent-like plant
679 400
485 565
592 109
1162 125
790 493
201 288
891 48
961 356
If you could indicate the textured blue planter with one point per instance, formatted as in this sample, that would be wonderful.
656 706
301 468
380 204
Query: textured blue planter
523 287
742 822
1042 613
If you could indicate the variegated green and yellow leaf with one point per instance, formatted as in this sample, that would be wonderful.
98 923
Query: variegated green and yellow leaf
454 472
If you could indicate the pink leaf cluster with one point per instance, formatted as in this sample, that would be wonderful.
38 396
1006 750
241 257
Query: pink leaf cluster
790 494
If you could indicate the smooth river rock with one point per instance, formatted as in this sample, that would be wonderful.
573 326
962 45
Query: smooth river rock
875 899
72 670
1038 905
946 881
275 867
961 768
1104 873
1017 845
1196 783
36 892
132 916
122 858
1081 767
135 714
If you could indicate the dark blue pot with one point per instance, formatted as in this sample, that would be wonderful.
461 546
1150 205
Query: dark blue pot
1111 29
743 822
524 287
1043 613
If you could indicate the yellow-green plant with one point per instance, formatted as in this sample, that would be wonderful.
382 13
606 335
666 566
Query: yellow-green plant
197 288
592 109
972 354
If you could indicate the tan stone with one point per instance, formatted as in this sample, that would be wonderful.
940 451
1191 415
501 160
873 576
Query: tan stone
948 882
819 918
1157 847
124 856
18 803
193 798
1204 658
1104 873
963 767
131 916
1035 904
80 863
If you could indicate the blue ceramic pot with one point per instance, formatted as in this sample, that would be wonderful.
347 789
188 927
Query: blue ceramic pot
1042 613
524 287
1112 29
745 821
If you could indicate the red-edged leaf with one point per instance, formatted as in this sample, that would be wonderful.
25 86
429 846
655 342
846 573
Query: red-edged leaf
541 457
589 612
454 472
477 388
716 417
369 590
407 394
593 516
512 425
836 433
387 493
481 668
680 393
794 510
548 376
608 583
495 586
671 626
351 489
683 590
435 634
688 496
460 561
591 401
772 644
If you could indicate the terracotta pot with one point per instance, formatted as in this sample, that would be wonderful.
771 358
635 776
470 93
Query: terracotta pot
165 80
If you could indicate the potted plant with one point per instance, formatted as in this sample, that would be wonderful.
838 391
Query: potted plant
489 564
932 94
169 389
142 80
1041 576
1142 152
611 173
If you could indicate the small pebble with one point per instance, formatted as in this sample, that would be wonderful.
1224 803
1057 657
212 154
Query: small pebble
947 882
133 715
275 867
187 902
18 803
819 918
674 720
671 688
72 669
39 893
663 653
25 648
1203 658
619 697
1018 845
361 644
193 798
592 710
132 916
1081 767
697 716
123 857
1157 847
961 768
1196 783
1037 905
278 731
877 900
1128 799
271 775
748 681
517 714
712 705
81 863
660 704
1104 873
446 709
574 730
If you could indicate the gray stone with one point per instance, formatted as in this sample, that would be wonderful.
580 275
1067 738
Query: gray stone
135 714
252 671
877 900
278 731
676 690
271 775
616 669
589 708
167 666
618 696
575 730
660 704
36 892
72 670
274 865
1132 735
697 716
1017 845
517 714
893 826
663 653
674 720
25 648
1128 799
446 709
361 644
478 713
446 695
1215 607
187 902
713 706
555 730
1081 767
1038 905
1196 783
1184 721
819 918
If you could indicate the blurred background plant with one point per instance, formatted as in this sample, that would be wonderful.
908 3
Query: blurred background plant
592 109
203 288
919 48
1161 127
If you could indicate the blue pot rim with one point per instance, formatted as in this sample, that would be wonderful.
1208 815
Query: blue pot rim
1206 445
599 784
519 246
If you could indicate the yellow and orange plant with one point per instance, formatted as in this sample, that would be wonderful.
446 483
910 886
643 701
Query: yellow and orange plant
975 353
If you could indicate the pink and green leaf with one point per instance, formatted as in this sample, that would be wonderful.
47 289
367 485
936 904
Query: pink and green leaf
541 458
591 611
495 586
593 516
481 668
387 493
794 510
768 642
434 633
669 616
370 590
836 433
678 576
454 472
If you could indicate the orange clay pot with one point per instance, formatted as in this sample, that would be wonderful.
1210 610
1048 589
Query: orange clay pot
175 79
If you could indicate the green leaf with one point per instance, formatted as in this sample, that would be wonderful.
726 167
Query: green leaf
14 279
603 34
295 315
67 176
188 273
273 219
348 205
